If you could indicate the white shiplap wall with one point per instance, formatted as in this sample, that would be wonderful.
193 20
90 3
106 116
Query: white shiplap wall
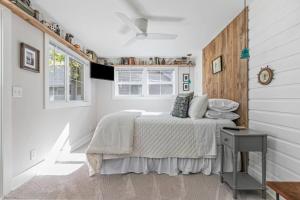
274 36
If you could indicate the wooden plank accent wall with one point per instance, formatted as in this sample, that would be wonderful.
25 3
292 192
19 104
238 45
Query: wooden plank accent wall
232 82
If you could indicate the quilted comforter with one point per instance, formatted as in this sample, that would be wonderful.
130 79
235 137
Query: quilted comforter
161 136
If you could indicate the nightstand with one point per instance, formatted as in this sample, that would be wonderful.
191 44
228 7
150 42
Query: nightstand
243 141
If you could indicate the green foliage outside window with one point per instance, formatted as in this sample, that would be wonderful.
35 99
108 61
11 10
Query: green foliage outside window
75 69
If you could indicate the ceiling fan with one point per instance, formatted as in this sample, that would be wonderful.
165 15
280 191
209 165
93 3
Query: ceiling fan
140 25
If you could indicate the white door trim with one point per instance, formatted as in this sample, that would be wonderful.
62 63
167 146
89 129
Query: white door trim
6 99
1 106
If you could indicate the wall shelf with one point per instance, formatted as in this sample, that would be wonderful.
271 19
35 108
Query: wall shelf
184 65
34 22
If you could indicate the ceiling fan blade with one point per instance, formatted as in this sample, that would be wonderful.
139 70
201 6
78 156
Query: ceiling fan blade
137 8
128 22
124 29
130 42
159 36
140 10
165 18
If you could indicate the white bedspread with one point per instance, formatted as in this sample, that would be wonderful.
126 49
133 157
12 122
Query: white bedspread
166 136
114 134
154 136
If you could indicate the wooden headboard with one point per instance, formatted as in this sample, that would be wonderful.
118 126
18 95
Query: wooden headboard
232 82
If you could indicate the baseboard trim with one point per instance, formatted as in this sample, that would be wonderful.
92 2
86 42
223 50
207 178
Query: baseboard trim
22 178
28 174
82 141
257 176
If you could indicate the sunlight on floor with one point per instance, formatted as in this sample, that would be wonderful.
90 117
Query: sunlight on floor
59 169
65 164
60 160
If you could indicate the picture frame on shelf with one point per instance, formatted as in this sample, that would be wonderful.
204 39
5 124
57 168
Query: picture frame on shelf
29 58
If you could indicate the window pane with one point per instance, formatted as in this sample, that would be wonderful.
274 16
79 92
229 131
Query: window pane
56 74
166 89
154 76
76 80
58 93
51 73
136 76
76 91
76 70
124 89
123 76
154 89
128 89
167 76
80 91
136 89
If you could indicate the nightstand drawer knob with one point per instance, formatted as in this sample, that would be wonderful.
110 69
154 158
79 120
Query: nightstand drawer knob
226 139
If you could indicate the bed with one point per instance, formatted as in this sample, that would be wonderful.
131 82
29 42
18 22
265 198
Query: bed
143 142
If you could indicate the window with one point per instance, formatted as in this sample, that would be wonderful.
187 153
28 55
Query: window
160 82
129 82
66 77
144 82
76 80
57 67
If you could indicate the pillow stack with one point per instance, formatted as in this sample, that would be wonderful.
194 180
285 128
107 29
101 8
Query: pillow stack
222 109
186 105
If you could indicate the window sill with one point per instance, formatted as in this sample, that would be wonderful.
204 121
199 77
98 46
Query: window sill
144 97
57 105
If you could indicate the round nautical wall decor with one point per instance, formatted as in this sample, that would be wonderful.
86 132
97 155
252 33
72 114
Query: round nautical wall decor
265 76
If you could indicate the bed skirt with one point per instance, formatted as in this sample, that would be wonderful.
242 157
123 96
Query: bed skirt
170 166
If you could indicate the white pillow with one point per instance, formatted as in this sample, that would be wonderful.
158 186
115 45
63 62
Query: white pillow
223 105
198 107
221 115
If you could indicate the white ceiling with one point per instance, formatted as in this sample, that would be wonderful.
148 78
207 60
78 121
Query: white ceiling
95 24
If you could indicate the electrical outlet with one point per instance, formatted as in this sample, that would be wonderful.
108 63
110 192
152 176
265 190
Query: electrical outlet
17 92
33 154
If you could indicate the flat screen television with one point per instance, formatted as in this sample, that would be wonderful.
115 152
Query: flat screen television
99 71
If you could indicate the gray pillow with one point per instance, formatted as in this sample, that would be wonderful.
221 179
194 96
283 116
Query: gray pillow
181 106
190 95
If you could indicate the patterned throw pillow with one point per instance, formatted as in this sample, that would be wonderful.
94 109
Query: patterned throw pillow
190 95
181 107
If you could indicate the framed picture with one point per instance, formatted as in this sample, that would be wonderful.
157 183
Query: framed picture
30 58
186 77
217 65
186 87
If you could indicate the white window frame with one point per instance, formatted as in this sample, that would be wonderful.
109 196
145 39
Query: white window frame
145 93
87 80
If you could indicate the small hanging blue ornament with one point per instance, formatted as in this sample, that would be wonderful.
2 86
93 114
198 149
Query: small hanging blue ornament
245 54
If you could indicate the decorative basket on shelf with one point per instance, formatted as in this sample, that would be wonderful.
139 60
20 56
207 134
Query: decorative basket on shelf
24 5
